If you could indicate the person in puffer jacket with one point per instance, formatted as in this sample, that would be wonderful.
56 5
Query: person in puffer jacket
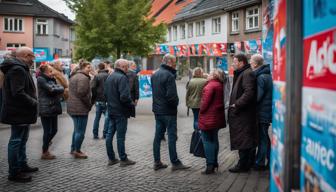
212 118
49 98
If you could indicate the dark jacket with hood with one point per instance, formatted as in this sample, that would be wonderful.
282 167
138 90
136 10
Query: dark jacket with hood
19 100
49 96
264 93
165 98
117 93
97 86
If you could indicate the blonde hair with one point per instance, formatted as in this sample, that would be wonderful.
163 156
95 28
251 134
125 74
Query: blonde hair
197 72
218 74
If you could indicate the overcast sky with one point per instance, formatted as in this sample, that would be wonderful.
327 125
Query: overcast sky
59 6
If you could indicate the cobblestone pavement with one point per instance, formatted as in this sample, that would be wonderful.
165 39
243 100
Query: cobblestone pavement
68 174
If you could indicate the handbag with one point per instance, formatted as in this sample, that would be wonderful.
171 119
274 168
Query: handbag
196 144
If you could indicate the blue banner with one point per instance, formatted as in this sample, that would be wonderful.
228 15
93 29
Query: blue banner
145 86
222 63
41 54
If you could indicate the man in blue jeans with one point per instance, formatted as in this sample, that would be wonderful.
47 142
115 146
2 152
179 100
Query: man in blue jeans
120 107
19 109
99 99
264 109
165 102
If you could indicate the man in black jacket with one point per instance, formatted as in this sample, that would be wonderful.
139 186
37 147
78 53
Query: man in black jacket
134 82
19 109
165 102
264 109
120 108
99 99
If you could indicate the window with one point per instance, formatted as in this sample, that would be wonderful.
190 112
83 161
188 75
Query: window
252 18
13 24
15 45
42 27
190 30
182 31
169 34
235 21
200 28
175 33
216 25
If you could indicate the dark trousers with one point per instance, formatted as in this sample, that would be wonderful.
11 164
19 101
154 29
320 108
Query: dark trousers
246 157
49 125
100 109
264 146
17 157
163 123
119 125
80 122
196 114
211 146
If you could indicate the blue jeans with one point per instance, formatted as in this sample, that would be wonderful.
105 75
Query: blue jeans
119 125
101 108
17 157
49 130
211 146
163 123
80 122
196 113
264 144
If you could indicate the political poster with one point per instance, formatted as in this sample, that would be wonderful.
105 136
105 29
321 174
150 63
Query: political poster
145 86
279 97
318 145
267 33
41 54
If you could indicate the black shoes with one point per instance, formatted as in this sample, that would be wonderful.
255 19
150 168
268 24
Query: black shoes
260 168
239 169
210 169
113 162
179 166
20 178
126 162
159 165
28 169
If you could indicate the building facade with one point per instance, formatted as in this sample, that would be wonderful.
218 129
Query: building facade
33 24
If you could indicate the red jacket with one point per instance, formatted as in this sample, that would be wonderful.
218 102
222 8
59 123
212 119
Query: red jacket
212 112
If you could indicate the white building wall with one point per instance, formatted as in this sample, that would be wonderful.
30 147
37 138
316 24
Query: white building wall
208 37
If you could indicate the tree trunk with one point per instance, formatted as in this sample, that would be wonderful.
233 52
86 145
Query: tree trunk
118 52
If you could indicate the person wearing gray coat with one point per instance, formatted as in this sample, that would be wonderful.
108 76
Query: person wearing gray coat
79 105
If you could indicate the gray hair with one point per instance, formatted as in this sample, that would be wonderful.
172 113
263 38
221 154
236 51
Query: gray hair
120 62
258 59
218 74
168 57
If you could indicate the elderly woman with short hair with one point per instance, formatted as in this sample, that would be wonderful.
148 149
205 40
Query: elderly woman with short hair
212 118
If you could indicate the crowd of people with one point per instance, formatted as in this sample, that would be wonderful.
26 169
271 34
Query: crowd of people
115 94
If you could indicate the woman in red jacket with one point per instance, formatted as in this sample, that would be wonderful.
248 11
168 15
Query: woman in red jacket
212 118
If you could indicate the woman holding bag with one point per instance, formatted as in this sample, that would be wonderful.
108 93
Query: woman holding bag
212 118
49 93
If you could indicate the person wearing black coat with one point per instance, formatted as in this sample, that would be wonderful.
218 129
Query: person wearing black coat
19 109
242 114
264 109
134 82
99 99
165 102
120 107
50 94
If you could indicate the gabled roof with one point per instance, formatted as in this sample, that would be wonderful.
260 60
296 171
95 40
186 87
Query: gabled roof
30 8
201 7
165 10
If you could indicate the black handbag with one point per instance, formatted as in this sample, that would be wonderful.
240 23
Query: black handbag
196 145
